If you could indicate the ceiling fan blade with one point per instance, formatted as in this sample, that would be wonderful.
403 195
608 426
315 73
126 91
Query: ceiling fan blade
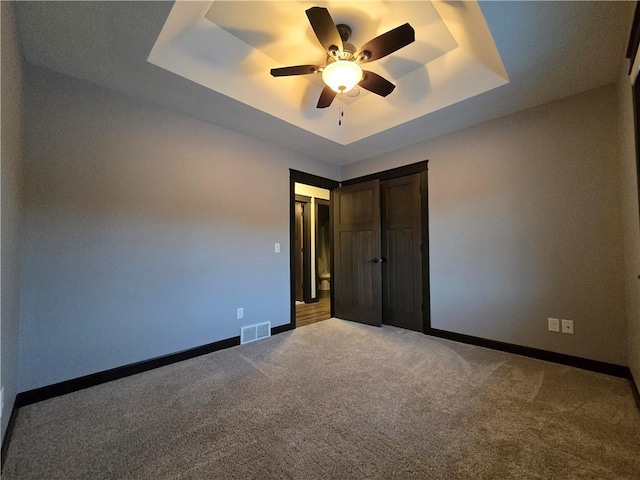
326 97
376 84
387 43
297 70
324 28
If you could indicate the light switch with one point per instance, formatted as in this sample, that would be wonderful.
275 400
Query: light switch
277 248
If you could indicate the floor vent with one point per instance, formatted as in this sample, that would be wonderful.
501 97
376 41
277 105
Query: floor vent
255 332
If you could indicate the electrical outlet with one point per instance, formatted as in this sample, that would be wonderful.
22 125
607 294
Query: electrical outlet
276 248
240 313
567 326
554 324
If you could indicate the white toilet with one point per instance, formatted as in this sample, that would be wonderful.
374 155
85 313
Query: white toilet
324 276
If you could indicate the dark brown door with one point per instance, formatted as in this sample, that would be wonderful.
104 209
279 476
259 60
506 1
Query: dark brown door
401 238
299 272
357 266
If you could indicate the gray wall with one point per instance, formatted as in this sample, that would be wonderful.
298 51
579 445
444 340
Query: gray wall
11 160
144 230
629 192
525 223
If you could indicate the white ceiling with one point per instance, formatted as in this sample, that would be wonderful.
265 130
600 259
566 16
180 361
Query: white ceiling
452 59
544 50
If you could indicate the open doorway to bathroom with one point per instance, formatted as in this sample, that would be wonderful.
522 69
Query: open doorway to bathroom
311 246
312 254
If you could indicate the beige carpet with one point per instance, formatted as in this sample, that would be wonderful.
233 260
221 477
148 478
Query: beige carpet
338 400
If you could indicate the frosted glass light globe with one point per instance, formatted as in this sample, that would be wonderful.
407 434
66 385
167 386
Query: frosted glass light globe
342 76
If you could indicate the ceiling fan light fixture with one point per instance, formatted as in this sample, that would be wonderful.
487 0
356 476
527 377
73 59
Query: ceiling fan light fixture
342 71
342 75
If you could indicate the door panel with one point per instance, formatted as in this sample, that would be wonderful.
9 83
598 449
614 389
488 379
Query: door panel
400 244
344 261
358 279
401 234
365 284
356 207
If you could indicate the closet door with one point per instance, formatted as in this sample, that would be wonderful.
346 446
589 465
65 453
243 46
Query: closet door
357 265
401 247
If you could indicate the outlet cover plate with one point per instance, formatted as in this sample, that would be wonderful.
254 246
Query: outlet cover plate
554 324
567 326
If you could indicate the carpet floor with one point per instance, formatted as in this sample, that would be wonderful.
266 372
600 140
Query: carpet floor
337 400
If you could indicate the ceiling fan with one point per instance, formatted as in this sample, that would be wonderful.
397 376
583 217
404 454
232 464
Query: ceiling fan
342 71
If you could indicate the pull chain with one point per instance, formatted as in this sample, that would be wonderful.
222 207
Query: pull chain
340 111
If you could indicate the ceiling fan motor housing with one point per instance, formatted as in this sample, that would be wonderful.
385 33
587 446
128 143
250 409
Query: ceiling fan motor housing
348 49
348 53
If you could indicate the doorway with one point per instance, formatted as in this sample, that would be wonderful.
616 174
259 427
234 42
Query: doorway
311 249
312 303
379 248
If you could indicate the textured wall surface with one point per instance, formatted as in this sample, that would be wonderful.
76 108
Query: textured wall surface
144 231
11 160
526 223
631 222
